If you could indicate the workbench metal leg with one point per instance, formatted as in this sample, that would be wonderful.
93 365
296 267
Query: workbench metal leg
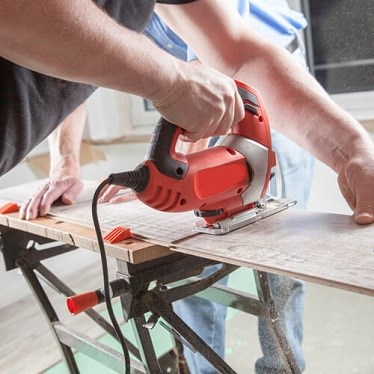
275 327
48 311
146 349
61 287
187 335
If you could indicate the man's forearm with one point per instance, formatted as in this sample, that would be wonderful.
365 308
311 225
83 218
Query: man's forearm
300 108
65 143
297 105
77 41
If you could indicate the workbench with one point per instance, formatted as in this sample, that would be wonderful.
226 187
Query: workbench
323 248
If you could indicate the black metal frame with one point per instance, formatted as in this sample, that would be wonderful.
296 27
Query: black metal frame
152 287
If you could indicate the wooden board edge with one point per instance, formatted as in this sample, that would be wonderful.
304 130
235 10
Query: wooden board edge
131 250
309 278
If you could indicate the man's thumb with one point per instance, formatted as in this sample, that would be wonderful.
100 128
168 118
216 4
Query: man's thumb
364 215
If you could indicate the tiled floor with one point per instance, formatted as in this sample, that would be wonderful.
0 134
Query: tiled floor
338 336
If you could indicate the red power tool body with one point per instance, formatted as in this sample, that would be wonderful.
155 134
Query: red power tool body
225 184
217 182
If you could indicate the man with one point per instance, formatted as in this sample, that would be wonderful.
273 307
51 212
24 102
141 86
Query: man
224 41
79 42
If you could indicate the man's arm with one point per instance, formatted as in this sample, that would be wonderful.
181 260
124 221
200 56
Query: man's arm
303 110
65 183
77 41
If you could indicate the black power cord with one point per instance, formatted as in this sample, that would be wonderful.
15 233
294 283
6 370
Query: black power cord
137 180
104 265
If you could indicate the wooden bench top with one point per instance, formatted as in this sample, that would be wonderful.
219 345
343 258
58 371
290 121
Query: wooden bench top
323 248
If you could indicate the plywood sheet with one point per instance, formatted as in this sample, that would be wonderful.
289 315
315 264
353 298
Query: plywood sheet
320 247
325 248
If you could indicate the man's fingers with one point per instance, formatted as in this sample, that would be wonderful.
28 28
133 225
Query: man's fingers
129 195
364 213
31 208
104 189
346 191
50 196
229 114
109 193
364 218
23 208
40 203
69 196
362 207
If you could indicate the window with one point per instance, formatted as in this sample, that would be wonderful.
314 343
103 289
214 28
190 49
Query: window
340 49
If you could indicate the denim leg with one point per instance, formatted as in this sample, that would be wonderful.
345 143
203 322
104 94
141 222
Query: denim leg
296 169
207 319
288 296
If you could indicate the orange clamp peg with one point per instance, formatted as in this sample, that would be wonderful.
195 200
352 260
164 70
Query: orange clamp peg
87 300
117 234
80 303
9 208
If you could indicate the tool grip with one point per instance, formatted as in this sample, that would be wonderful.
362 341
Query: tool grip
161 150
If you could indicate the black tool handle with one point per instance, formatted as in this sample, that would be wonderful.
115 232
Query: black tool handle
161 149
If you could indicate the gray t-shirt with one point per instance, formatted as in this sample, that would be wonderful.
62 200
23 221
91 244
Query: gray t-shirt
32 105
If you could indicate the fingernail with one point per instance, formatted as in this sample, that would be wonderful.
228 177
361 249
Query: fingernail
364 217
363 214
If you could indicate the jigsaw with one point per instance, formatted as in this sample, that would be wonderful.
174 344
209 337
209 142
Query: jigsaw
226 185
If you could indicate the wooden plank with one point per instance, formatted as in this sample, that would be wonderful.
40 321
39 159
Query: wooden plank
324 248
130 250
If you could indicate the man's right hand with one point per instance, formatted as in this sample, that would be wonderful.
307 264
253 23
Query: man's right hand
202 101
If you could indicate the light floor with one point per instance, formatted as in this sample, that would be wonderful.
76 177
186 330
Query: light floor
339 331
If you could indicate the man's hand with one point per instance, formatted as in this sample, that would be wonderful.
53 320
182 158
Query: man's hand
356 182
109 192
65 183
202 101
38 204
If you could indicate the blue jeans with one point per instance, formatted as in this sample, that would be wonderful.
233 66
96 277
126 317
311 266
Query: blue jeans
207 319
